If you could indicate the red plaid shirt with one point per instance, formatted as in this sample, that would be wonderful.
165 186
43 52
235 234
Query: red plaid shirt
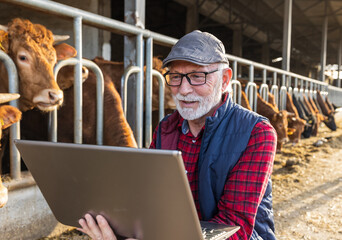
245 185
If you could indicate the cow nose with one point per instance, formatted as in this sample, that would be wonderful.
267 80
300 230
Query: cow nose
55 96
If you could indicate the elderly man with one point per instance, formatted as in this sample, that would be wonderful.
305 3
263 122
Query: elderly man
228 151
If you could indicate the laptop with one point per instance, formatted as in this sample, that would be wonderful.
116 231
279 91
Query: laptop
143 193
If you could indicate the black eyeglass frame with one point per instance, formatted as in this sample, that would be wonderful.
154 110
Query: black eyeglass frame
188 79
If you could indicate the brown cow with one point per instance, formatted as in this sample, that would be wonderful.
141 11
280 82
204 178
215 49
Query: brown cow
116 69
116 130
31 47
277 118
66 76
319 117
294 122
8 116
327 111
271 100
244 101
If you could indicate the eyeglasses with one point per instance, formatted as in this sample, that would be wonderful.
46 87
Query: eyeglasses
194 78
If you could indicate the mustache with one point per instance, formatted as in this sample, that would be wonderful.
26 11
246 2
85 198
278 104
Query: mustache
189 98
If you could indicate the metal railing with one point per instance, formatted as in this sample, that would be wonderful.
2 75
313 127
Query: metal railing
13 87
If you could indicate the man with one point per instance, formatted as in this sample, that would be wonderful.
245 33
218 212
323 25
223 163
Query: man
228 151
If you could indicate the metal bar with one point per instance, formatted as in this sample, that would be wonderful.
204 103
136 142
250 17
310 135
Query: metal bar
78 81
13 87
92 19
287 29
324 44
124 79
301 90
139 90
99 91
236 88
148 99
235 70
289 88
295 89
263 90
282 98
264 76
161 81
339 62
270 69
250 91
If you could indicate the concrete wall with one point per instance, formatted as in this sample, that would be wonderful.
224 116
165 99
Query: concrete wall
27 215
92 37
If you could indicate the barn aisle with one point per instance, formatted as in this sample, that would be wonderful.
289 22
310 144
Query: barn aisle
307 188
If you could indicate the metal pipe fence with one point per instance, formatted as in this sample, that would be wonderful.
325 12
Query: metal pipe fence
81 17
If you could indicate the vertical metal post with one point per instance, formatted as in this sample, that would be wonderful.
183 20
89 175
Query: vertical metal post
235 70
134 15
274 88
287 35
282 98
264 76
139 90
339 62
78 81
148 97
13 87
324 43
295 89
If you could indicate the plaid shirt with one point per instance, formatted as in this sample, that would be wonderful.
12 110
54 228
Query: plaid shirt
246 183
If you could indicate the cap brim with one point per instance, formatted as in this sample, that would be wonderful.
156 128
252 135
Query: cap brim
168 61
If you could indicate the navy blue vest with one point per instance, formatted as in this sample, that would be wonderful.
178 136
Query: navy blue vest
224 140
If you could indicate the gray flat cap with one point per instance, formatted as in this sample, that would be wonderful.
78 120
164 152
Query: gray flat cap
198 47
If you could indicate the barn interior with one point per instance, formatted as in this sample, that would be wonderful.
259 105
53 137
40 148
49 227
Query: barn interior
310 40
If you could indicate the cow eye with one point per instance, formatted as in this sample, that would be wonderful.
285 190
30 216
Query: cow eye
22 58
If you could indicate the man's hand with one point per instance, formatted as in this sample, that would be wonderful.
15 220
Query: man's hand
97 231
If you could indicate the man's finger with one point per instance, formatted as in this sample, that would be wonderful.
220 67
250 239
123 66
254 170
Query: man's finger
106 230
94 229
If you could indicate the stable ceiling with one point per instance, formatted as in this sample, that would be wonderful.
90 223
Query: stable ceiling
262 21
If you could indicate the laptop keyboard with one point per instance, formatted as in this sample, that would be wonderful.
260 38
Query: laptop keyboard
214 234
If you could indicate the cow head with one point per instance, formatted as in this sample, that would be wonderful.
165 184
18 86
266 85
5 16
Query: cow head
298 125
330 122
65 77
31 47
279 122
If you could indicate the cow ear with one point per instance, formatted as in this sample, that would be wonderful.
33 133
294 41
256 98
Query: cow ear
4 41
65 51
9 115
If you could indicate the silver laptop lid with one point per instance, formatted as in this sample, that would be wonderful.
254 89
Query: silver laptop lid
143 193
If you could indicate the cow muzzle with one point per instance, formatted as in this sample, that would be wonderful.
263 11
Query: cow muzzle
48 99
